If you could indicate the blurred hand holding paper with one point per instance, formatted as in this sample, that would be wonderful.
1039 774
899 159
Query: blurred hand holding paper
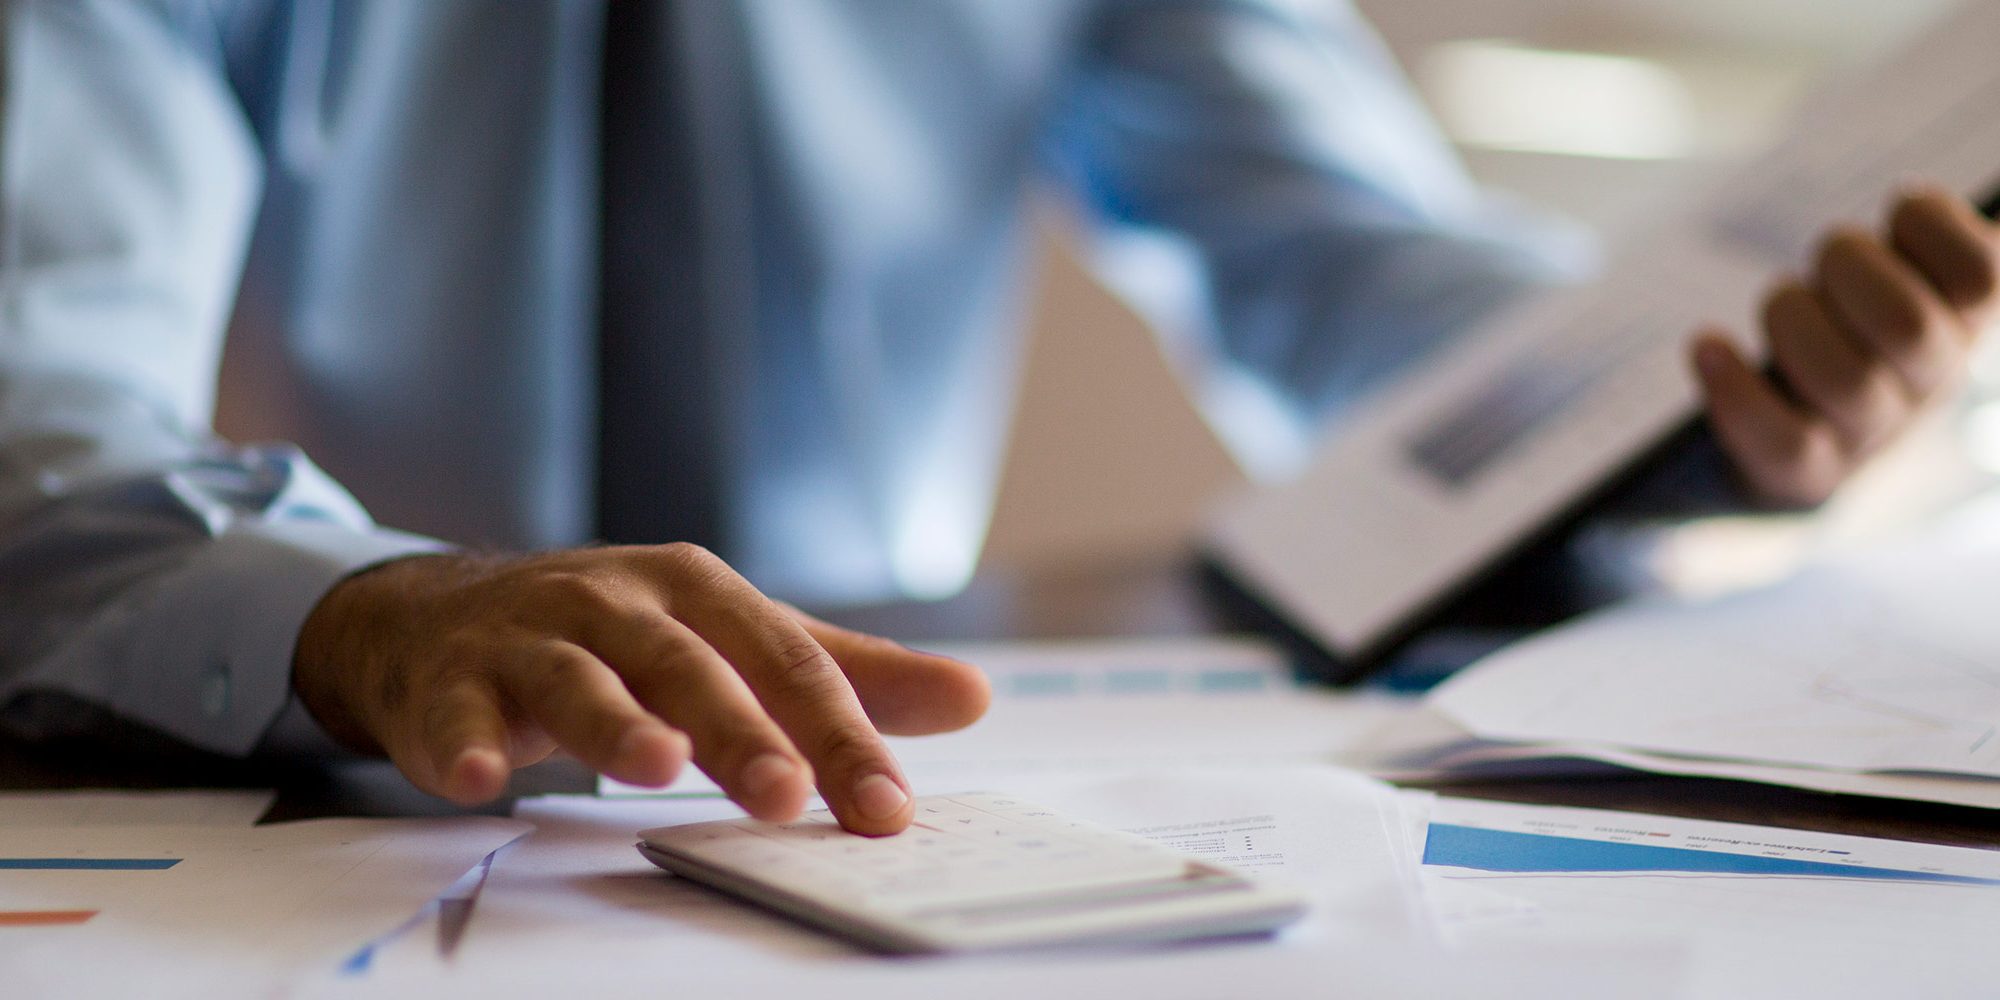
1544 404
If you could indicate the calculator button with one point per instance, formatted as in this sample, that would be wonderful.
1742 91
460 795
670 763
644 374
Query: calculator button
960 849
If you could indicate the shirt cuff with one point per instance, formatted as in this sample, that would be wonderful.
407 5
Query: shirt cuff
219 634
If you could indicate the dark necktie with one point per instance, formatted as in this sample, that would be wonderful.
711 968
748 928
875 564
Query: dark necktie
657 448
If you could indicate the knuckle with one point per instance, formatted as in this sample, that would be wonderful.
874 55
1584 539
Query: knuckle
673 651
849 744
687 571
689 559
553 669
575 591
803 665
551 656
669 669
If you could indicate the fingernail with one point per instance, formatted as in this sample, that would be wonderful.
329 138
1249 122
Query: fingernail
765 773
879 797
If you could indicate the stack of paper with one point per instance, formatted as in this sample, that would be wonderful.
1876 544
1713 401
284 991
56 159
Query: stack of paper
1510 900
1874 674
1412 895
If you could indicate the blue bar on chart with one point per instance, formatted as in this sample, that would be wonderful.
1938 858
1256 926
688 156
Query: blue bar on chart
87 864
1515 851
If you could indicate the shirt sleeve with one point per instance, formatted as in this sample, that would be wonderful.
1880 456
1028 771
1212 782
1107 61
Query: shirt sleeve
1272 149
147 569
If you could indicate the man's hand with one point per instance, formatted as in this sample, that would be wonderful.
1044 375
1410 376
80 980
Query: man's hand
635 660
1880 329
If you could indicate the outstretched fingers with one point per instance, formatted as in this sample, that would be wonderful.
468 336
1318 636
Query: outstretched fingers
678 676
583 705
799 686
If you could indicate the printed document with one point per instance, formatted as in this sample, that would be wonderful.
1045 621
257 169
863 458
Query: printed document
1882 661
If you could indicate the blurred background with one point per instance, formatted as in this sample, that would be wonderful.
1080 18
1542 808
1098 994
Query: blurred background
1602 109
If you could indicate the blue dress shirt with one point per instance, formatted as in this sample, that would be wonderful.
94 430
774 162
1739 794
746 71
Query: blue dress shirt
390 207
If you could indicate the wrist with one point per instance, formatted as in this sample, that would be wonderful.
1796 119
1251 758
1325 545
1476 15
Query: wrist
337 658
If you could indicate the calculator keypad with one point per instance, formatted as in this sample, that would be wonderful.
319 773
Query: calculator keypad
958 849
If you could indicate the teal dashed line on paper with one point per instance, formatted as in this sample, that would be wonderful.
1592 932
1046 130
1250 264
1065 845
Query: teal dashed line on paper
1138 682
1045 684
1212 681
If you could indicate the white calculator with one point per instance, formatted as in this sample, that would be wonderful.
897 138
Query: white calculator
976 872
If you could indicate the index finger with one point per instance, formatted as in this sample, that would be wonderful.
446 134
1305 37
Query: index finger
798 683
